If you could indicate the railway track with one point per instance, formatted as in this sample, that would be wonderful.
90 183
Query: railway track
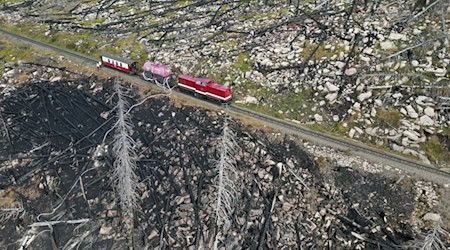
414 168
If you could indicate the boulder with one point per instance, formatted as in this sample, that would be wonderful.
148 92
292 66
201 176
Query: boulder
318 118
331 87
351 133
350 71
387 45
397 36
424 100
364 96
331 97
411 112
425 120
251 100
432 217
429 111
412 136
397 148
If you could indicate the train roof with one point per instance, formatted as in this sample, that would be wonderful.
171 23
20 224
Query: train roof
118 58
218 87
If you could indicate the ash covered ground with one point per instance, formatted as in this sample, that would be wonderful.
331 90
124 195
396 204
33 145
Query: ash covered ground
54 121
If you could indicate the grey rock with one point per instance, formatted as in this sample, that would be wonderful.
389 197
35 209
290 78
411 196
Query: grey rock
429 111
331 87
364 96
425 120
411 112
432 217
318 118
412 136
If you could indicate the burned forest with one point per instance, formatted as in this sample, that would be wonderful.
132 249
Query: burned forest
58 188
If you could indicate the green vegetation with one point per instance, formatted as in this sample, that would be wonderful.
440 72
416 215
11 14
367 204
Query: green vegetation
435 151
388 117
10 52
292 105
93 22
274 14
243 62
86 43
321 52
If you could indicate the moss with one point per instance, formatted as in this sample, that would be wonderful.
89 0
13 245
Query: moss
273 14
321 52
388 117
93 22
435 151
10 52
243 62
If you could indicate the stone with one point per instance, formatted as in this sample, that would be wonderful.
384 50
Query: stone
9 73
339 64
412 136
411 112
397 36
350 71
55 79
424 100
410 152
417 32
429 111
105 230
415 63
351 133
364 96
318 118
387 45
335 118
425 120
251 100
432 217
373 112
397 148
331 87
331 97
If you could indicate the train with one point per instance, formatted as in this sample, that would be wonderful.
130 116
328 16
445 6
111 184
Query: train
155 72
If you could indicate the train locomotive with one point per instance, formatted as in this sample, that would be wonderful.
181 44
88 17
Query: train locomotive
159 73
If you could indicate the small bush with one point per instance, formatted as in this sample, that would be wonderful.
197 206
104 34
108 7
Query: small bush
388 117
435 151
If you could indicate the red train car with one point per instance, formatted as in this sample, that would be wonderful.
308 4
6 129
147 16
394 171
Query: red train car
205 87
119 63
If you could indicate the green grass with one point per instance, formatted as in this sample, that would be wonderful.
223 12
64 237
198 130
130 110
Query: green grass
90 42
93 22
435 151
321 52
243 62
293 105
10 52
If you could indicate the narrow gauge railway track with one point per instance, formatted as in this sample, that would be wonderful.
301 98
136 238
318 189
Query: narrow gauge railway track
418 169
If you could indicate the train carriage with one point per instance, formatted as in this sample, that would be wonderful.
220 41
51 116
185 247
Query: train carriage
205 87
119 63
157 72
